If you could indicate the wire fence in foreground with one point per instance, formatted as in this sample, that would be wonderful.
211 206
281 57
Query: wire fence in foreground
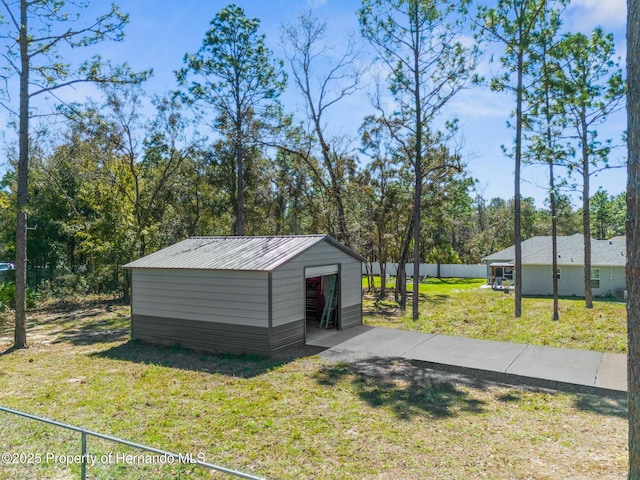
85 460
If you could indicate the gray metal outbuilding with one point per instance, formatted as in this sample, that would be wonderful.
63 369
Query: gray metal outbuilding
256 295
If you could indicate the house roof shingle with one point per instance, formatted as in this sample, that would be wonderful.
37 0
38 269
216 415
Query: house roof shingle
537 251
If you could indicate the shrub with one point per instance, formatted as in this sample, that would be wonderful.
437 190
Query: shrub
8 296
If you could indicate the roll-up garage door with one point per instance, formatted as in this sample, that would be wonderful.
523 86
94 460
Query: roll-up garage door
320 271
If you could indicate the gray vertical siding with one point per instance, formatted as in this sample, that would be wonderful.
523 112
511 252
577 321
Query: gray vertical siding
289 289
288 295
351 285
209 336
352 316
286 336
231 297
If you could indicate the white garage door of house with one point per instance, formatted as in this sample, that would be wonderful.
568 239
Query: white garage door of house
320 271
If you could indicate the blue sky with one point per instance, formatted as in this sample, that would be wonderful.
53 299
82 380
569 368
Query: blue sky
161 32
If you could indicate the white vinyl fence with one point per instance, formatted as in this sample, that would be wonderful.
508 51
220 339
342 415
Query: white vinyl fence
431 270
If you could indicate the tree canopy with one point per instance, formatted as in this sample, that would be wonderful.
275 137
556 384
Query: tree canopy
126 173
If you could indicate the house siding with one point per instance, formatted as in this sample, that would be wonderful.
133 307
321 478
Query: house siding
537 280
611 280
233 298
537 256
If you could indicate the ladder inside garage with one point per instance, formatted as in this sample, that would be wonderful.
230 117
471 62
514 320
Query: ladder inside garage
327 313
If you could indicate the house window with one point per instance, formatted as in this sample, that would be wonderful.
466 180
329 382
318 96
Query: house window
558 273
505 272
595 278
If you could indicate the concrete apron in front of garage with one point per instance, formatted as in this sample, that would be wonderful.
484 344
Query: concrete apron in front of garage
548 367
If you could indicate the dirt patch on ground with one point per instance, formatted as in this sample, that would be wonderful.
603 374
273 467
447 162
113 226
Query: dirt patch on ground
82 322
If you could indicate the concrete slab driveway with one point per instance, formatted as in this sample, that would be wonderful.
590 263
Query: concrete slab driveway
605 372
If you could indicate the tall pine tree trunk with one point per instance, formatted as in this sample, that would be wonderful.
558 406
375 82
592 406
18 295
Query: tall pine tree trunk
20 333
383 277
586 218
401 278
552 201
240 179
417 210
633 234
516 195
554 243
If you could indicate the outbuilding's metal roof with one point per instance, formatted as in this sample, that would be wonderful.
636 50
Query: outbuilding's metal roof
234 253
537 251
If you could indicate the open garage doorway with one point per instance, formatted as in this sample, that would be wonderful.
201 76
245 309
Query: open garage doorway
322 301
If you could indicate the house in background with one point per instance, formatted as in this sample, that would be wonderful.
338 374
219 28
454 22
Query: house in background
608 261
256 295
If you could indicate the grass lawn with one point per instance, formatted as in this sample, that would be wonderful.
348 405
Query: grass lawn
294 417
459 307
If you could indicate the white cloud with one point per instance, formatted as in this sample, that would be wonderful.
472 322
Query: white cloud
584 15
480 102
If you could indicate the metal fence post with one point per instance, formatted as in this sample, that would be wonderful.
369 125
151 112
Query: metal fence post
83 465
85 432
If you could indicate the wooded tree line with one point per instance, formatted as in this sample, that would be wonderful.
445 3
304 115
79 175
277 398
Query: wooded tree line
118 185
221 155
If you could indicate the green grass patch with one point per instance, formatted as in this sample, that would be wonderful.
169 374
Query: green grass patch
458 307
433 285
292 417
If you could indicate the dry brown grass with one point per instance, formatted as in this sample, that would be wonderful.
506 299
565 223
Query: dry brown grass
292 417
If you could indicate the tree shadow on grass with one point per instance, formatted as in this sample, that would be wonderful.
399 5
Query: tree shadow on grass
412 388
9 350
613 405
406 388
105 330
388 305
86 323
435 299
227 364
